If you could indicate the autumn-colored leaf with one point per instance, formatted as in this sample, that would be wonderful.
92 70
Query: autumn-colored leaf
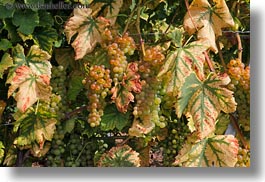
30 75
215 151
2 108
204 101
36 151
139 129
121 156
122 94
182 61
87 29
34 127
208 20
30 86
113 11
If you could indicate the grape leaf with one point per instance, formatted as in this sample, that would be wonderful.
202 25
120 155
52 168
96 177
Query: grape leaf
204 101
46 19
215 151
69 125
121 156
26 21
11 156
64 56
75 85
5 44
34 127
6 62
6 13
112 119
209 20
122 94
2 151
45 38
36 151
2 108
182 61
87 30
31 87
222 123
113 11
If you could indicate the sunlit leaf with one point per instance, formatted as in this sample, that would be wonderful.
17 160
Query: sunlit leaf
28 87
215 151
204 101
182 61
209 20
2 151
122 156
112 119
36 151
87 30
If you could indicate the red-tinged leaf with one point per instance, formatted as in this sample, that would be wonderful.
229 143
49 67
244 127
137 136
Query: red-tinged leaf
122 94
87 30
215 151
208 20
204 101
30 87
182 61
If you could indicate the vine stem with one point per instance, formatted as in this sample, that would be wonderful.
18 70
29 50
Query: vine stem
74 112
129 20
188 11
138 27
236 127
221 55
209 61
239 46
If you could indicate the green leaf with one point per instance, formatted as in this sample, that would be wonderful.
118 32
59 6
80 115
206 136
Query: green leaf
11 29
222 123
204 101
6 62
75 85
2 151
46 19
45 38
122 156
69 125
6 13
34 127
26 21
97 57
11 156
112 118
216 151
5 44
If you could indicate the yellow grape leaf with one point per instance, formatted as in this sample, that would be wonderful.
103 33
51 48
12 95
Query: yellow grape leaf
209 20
34 127
2 151
121 156
6 62
87 29
204 100
36 151
139 129
29 87
182 61
215 151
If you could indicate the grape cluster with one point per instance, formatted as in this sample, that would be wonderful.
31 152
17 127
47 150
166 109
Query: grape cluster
58 82
177 134
240 83
117 51
98 83
147 108
55 155
243 158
